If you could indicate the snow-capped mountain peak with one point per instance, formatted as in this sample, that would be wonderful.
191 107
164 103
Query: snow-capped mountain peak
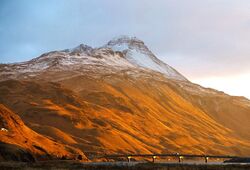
125 42
138 53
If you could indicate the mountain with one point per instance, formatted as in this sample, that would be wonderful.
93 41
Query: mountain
123 53
120 98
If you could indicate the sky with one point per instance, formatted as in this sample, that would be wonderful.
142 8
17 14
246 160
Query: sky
207 41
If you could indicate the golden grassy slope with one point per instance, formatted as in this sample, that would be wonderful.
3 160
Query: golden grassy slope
231 112
20 135
167 107
122 114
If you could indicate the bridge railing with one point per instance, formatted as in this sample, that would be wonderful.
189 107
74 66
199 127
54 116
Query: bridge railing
178 156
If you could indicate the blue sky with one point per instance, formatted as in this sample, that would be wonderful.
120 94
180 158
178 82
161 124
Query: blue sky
207 41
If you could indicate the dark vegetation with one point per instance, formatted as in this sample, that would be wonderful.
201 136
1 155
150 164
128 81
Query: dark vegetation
9 152
63 165
238 160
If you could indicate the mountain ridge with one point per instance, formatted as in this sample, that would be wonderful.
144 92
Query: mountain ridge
135 54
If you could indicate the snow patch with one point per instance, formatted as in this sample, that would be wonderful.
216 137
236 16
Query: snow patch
120 47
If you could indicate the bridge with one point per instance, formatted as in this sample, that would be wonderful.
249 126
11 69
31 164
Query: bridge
178 156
